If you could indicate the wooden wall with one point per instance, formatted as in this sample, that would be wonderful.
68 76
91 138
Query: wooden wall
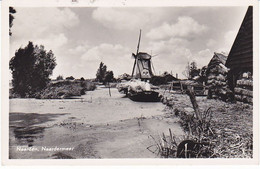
240 58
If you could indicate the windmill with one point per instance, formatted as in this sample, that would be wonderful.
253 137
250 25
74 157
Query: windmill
142 68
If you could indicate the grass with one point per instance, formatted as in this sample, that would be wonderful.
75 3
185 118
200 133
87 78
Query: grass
166 146
224 131
66 89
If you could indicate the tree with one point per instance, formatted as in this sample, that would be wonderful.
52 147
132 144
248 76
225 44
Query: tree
191 70
31 67
186 72
109 76
101 72
60 77
11 18
194 71
82 79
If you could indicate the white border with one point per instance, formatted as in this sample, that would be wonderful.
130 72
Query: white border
122 3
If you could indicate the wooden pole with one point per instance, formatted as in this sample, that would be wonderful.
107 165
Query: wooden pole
109 89
190 92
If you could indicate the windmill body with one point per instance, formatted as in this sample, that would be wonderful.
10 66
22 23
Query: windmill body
142 68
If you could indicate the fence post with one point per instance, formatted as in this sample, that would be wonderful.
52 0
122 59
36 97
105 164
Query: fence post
191 94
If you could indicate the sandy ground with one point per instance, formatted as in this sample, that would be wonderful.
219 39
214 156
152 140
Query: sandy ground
92 126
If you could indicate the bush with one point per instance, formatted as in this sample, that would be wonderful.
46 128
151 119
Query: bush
66 89
59 77
70 78
82 79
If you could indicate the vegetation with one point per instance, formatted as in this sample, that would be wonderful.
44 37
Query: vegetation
31 67
192 71
60 77
198 125
222 131
11 18
66 89
103 75
82 79
109 76
70 78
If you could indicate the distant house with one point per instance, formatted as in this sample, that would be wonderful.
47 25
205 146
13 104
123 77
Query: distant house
240 58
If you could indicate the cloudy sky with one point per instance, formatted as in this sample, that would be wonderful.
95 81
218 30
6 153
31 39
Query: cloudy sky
83 37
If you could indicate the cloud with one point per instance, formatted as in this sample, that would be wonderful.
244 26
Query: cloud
104 51
227 42
203 57
185 26
171 55
167 46
115 56
51 42
79 49
44 26
229 39
35 22
211 43
128 18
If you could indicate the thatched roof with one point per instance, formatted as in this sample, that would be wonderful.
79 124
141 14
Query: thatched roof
221 57
217 59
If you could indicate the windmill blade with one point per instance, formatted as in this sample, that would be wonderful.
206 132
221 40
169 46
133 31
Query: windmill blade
133 55
138 42
154 55
153 67
133 68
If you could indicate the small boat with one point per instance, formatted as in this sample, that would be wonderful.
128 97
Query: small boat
144 96
138 90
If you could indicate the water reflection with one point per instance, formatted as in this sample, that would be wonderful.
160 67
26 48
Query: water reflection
27 127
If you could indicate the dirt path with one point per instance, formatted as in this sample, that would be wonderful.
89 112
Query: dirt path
92 126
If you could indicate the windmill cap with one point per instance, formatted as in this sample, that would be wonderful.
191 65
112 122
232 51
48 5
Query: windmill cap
143 55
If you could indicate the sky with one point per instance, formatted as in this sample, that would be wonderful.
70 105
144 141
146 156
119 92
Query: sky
82 37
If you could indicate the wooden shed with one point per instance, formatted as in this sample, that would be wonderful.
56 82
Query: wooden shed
240 58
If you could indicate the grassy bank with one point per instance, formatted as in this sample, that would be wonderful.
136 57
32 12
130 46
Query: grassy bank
61 89
227 128
66 89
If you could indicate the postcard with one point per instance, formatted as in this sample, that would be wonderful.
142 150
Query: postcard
130 82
